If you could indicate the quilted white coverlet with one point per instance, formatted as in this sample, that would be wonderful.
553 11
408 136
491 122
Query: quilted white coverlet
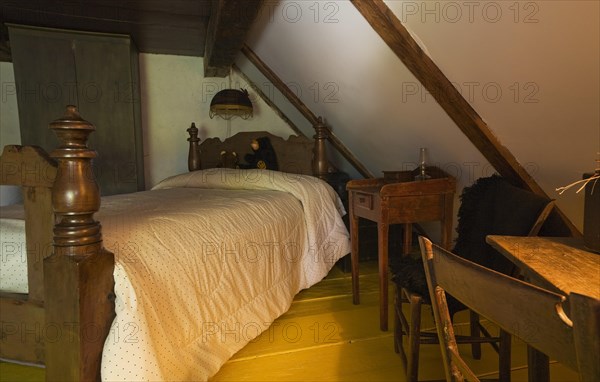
13 255
206 261
204 266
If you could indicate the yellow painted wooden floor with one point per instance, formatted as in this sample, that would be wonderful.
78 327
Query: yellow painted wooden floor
323 337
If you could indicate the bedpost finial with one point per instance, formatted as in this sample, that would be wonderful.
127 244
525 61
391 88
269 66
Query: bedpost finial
320 162
193 132
72 110
72 131
75 194
194 150
322 132
72 117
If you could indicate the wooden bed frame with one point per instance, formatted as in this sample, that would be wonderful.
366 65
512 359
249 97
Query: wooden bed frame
296 155
66 317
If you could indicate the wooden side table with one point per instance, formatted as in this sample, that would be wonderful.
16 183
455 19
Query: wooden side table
397 199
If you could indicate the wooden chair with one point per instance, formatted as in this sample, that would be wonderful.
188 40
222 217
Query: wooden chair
416 337
411 327
573 341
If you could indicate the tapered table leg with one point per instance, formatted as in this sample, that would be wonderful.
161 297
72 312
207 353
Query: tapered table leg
354 254
382 244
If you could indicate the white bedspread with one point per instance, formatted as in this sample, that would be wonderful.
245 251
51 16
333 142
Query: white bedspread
13 255
204 263
195 284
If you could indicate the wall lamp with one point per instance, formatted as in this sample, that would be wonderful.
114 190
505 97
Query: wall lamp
229 103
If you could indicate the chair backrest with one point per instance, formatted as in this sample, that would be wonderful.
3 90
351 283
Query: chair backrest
530 313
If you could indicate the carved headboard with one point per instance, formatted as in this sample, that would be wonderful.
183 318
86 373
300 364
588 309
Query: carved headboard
293 155
297 154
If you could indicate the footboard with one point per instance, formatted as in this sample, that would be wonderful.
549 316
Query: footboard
22 315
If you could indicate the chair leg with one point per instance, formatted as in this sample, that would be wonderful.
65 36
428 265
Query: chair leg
538 367
414 339
475 332
504 356
397 322
401 329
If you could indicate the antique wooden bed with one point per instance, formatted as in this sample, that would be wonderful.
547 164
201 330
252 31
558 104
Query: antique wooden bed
65 319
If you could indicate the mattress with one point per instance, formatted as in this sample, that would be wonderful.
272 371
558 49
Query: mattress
13 255
206 261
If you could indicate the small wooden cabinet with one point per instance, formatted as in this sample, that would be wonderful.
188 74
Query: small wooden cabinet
398 199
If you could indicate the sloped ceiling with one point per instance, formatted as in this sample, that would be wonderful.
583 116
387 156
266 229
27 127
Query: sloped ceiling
530 69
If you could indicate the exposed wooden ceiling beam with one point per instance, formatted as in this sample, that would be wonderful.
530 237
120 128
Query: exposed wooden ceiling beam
229 23
302 108
156 26
396 36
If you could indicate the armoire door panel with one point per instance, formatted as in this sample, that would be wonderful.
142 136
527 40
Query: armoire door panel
98 73
42 97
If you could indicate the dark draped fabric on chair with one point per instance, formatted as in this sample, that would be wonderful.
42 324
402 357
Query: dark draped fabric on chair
491 206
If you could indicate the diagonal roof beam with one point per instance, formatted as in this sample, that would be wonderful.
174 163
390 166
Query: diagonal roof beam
229 23
397 37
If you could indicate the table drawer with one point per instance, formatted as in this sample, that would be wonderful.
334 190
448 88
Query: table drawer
363 200
422 208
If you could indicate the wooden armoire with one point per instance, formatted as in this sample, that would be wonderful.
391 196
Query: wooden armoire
99 74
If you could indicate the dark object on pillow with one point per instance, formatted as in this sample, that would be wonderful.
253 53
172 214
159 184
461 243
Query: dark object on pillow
263 155
491 206
228 159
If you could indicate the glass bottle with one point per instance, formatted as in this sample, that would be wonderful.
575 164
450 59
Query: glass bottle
422 164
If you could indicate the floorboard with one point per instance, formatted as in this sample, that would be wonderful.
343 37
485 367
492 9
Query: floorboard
324 337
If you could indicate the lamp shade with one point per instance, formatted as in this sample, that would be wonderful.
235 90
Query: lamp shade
229 103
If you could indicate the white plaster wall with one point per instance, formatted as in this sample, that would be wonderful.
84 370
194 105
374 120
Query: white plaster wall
9 125
383 114
174 94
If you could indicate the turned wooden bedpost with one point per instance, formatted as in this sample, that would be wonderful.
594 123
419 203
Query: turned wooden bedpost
194 151
320 162
78 277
